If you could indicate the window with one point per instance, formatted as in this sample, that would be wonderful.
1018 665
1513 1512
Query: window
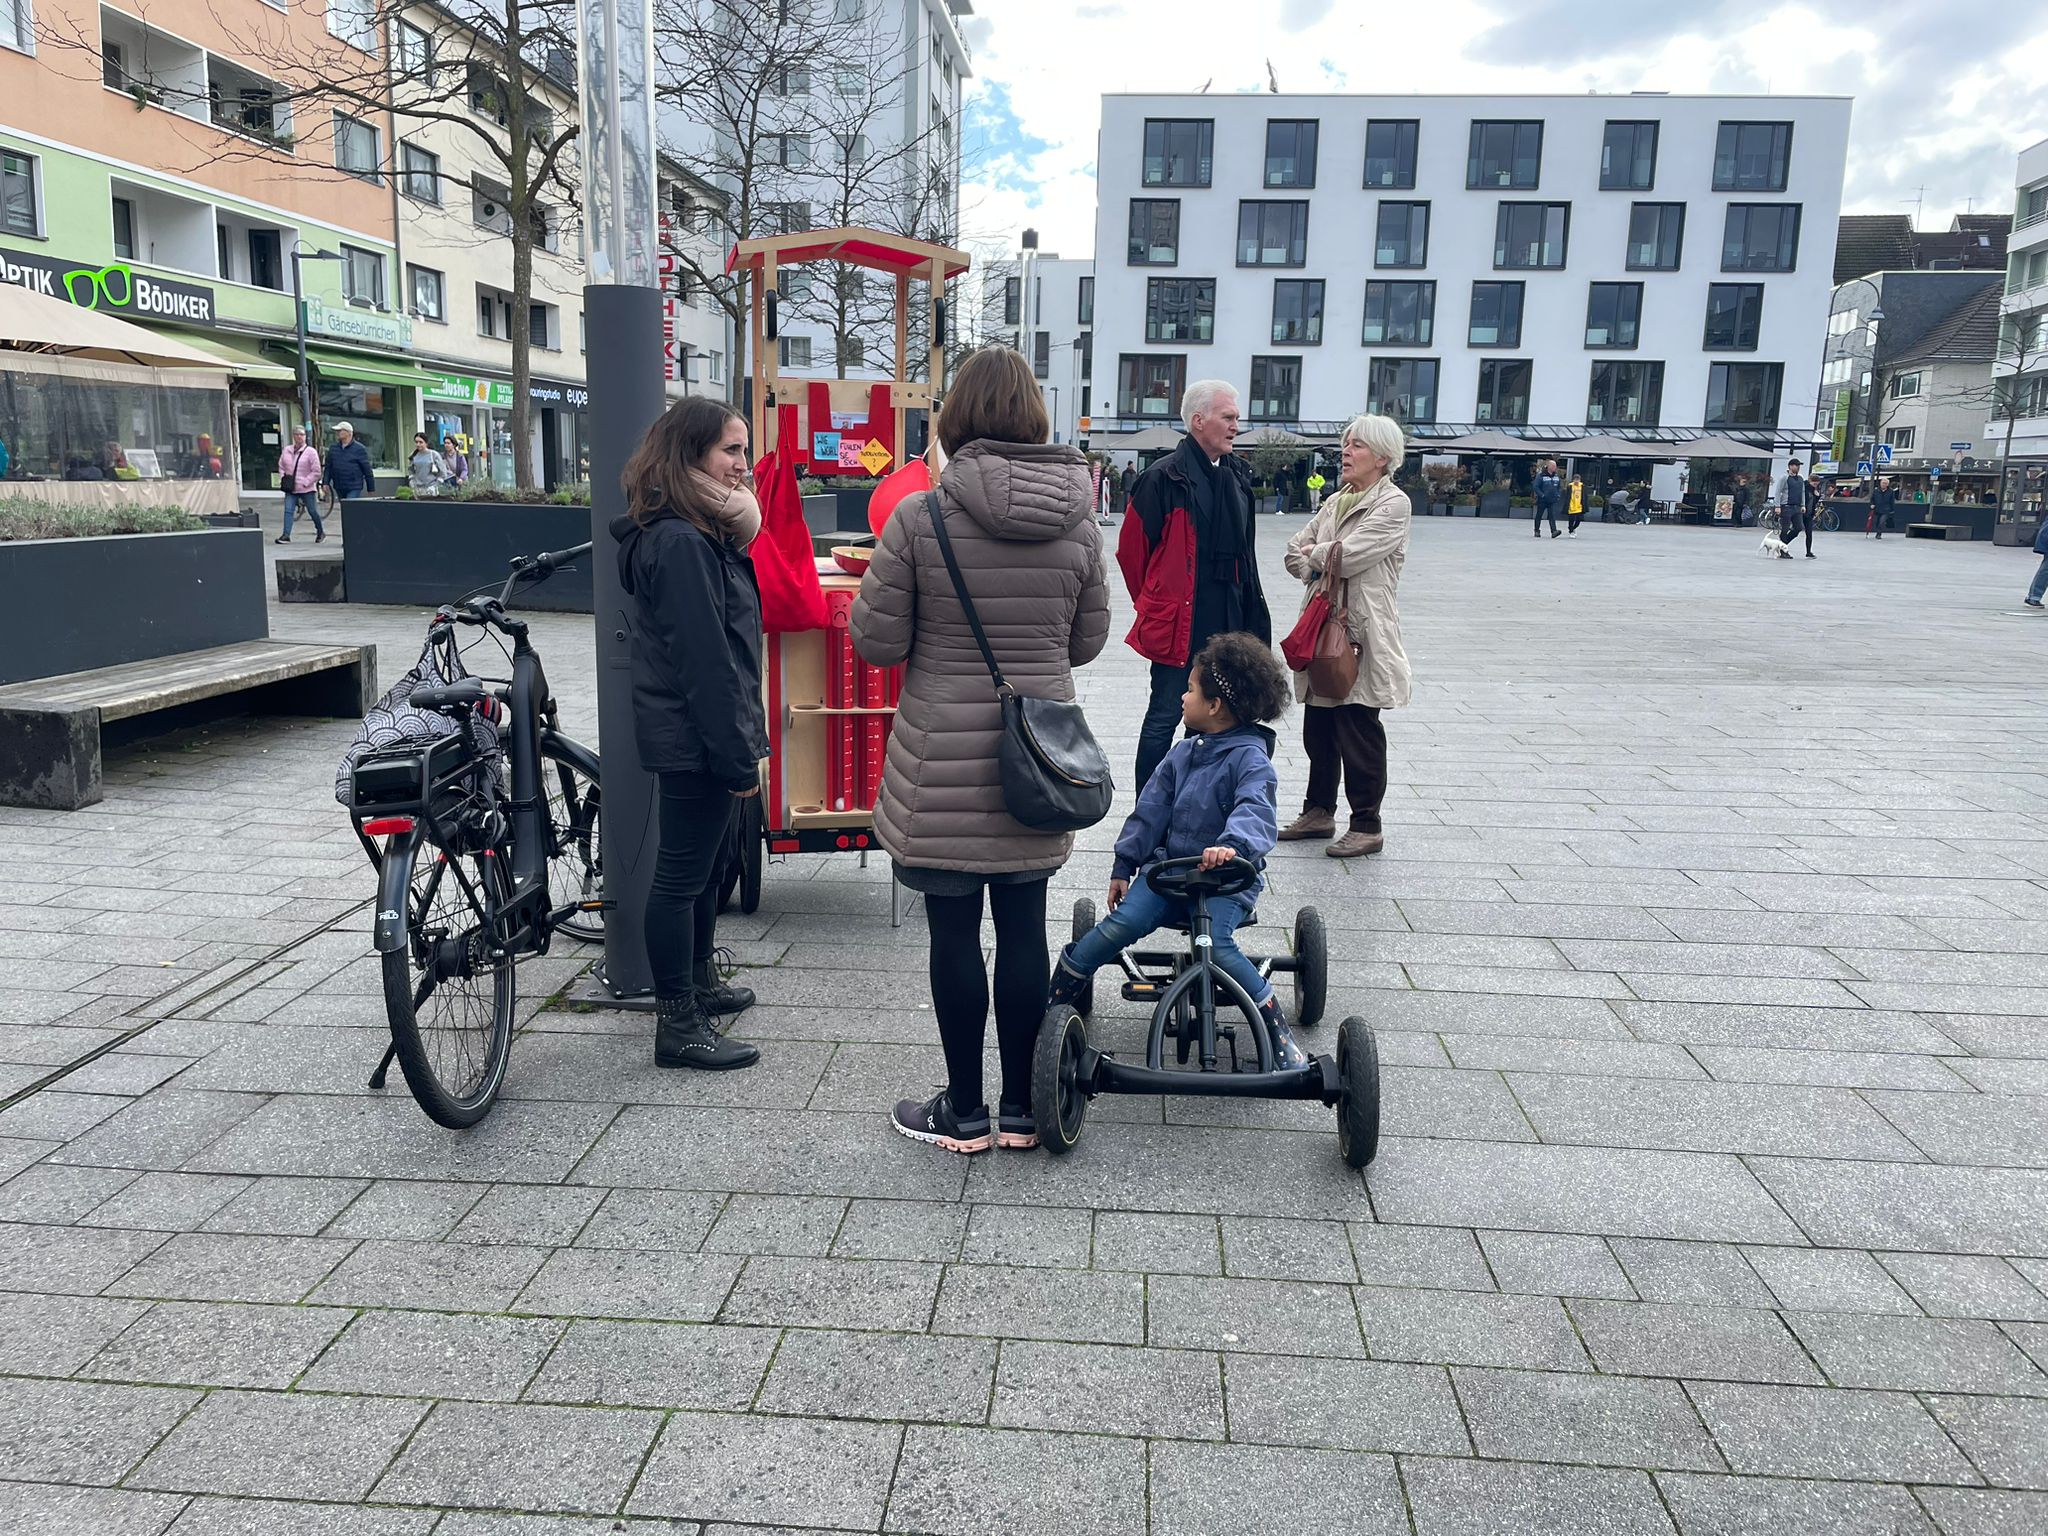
1735 313
225 253
1614 313
1656 236
714 366
1276 388
355 147
486 95
849 148
790 150
1743 394
113 64
1403 388
1496 319
20 199
853 352
426 293
1628 157
786 218
1400 314
266 259
1752 157
1180 309
1531 234
1155 232
415 54
420 173
1390 153
795 350
789 80
1626 394
1290 154
1504 389
1041 355
1085 305
487 207
1272 234
847 81
1504 155
1901 439
493 316
538 330
17 26
362 276
354 22
1013 300
1178 151
1298 311
124 229
1761 237
1149 385
1403 236
1904 386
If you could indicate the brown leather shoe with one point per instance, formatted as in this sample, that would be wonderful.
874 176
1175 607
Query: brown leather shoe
1310 824
1355 844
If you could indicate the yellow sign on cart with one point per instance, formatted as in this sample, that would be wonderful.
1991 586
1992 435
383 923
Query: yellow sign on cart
875 458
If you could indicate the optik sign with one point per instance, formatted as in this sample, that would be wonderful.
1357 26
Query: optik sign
116 289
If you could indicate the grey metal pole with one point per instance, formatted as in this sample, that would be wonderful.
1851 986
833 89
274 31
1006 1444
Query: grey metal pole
299 320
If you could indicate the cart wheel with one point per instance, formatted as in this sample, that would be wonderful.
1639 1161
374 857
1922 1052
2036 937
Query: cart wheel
1084 924
1311 968
753 839
729 861
1059 1099
1358 1110
1183 1028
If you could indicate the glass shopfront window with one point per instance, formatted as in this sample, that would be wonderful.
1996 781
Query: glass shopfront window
372 409
60 427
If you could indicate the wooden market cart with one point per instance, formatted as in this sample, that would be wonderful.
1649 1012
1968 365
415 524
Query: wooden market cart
829 712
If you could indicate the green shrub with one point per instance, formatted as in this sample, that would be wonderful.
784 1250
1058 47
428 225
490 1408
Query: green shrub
22 518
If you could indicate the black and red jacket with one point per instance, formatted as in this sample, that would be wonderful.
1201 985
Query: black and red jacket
1157 552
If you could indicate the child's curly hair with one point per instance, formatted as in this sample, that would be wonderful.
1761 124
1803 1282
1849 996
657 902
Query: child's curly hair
1241 671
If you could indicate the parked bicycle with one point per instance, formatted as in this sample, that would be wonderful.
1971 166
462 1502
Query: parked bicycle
487 843
1825 519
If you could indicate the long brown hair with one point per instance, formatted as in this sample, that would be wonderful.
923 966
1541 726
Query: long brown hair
995 396
658 474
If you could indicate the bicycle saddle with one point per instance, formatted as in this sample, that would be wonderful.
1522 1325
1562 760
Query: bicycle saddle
463 693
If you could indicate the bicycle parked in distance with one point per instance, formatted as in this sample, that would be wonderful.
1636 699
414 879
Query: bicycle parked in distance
483 854
1825 519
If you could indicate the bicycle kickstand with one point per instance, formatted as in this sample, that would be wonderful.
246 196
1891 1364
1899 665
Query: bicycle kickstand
384 1067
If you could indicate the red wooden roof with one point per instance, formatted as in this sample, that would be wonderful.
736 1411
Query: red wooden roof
870 248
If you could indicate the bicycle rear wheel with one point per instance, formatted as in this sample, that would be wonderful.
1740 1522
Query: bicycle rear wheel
450 1005
575 845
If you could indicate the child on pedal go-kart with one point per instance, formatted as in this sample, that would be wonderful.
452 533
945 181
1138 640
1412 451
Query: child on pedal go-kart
1213 796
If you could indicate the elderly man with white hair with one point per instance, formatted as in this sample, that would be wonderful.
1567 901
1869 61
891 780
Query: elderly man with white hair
1187 558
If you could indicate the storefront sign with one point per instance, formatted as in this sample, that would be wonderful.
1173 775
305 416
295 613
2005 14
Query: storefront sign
456 389
556 393
117 289
345 322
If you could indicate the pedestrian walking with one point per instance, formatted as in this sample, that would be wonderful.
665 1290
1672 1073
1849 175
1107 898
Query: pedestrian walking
1575 508
1017 513
1549 493
2041 574
424 472
1361 537
298 476
1316 482
348 469
697 713
454 467
1883 501
1187 559
1795 510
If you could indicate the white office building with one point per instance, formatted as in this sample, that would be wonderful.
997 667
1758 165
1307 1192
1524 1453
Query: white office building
1642 264
2021 367
1054 327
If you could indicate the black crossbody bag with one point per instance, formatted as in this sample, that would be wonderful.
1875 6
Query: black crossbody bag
1054 774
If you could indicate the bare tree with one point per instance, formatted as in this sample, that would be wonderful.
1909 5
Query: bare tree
479 67
2022 346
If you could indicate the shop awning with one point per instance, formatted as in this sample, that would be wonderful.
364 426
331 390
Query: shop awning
368 370
32 322
244 361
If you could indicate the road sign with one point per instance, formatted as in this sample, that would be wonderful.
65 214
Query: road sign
1960 447
1084 427
1934 472
1863 467
875 458
1884 454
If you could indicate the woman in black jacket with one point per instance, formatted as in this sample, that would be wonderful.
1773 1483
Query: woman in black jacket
697 713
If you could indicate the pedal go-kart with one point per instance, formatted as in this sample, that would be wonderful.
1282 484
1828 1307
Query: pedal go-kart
1184 990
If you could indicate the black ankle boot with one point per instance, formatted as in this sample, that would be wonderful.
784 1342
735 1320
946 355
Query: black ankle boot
683 1037
1069 988
718 998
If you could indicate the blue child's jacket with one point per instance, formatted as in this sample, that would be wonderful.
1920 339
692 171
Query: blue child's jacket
1211 791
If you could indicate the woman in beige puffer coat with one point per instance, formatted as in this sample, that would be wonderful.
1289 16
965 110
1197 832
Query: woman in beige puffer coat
1020 515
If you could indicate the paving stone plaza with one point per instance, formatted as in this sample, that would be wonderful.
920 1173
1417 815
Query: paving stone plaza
1706 957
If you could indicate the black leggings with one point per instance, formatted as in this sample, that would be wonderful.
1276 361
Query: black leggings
960 987
682 907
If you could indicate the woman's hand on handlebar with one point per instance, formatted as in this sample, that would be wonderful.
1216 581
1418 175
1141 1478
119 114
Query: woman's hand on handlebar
1118 889
1216 858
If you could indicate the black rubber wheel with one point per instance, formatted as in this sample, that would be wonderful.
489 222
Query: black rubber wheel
1059 1099
753 848
1311 968
1084 924
1358 1110
575 845
1185 1029
454 1035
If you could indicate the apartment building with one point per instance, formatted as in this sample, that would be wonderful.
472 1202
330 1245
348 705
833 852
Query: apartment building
1643 263
1054 327
2019 422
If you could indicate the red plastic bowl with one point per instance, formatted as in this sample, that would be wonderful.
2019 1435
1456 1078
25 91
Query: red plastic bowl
853 558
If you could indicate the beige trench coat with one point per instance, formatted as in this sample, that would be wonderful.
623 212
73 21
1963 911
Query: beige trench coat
1367 551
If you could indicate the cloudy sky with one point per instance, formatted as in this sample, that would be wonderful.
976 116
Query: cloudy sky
1947 91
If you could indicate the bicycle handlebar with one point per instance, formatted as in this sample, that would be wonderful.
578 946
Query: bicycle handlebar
526 569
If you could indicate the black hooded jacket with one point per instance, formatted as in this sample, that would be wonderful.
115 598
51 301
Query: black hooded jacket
696 651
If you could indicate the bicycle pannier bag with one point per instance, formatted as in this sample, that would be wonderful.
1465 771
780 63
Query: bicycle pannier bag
1054 774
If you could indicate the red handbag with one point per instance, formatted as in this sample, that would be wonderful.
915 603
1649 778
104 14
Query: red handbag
791 599
1320 644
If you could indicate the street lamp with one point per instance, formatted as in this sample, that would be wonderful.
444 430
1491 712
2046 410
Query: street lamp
299 254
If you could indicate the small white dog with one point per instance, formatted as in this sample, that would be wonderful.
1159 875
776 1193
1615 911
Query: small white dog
1772 544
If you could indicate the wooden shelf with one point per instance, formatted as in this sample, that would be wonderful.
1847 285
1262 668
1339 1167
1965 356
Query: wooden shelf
801 818
851 709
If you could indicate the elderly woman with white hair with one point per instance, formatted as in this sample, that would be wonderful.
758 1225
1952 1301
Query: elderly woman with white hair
1357 542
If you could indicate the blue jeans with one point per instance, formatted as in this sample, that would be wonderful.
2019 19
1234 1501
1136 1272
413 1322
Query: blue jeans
2040 582
311 501
1143 911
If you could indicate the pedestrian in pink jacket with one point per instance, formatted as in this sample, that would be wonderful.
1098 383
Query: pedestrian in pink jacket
298 476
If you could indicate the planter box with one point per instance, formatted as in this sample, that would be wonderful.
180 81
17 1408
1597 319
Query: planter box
2016 535
311 579
76 604
1439 509
853 503
246 518
1464 509
1418 503
420 554
821 514
1494 503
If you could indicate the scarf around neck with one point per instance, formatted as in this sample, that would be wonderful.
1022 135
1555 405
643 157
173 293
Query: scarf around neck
736 511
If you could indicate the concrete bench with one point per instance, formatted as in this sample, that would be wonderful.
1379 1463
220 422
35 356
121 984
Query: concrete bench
1936 531
51 729
311 579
